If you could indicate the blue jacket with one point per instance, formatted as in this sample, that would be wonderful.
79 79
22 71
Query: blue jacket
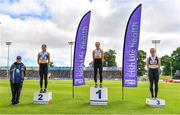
17 72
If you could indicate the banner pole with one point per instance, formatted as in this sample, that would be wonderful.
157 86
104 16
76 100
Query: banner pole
73 84
122 90
73 90
123 79
123 72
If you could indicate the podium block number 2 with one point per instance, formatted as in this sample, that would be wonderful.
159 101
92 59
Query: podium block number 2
40 96
99 94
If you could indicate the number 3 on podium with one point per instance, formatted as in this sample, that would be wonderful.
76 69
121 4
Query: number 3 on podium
158 102
99 94
40 96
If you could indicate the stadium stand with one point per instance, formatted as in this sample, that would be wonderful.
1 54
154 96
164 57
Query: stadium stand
64 73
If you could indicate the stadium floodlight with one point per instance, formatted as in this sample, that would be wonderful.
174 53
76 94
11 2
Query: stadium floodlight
156 42
71 43
171 67
8 44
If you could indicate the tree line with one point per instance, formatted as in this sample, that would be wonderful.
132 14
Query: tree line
168 62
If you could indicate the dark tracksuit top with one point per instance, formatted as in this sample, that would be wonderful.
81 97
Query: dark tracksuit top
17 73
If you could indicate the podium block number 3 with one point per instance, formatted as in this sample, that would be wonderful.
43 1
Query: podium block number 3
158 102
40 96
99 94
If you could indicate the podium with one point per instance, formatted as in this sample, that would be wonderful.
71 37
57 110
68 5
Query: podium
42 98
98 96
155 102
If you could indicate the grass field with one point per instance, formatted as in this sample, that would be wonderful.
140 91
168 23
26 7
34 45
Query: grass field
63 103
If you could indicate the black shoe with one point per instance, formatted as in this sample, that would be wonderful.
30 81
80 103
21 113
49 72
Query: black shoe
16 103
156 97
44 91
100 86
96 86
152 96
41 91
13 103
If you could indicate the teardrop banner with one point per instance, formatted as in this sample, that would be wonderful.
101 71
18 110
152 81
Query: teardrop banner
80 48
130 50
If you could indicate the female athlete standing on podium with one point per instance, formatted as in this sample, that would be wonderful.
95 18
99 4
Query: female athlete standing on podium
153 65
98 57
43 61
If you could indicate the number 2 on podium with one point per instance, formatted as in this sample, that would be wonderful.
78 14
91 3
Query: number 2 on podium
40 96
99 94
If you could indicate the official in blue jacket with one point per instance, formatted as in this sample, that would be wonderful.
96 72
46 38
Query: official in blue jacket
17 73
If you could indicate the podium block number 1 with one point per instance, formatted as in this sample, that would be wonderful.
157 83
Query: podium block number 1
40 97
99 94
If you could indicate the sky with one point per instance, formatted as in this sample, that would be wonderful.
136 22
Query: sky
30 23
